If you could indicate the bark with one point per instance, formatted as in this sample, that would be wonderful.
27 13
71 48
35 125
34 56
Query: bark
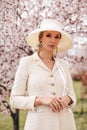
15 118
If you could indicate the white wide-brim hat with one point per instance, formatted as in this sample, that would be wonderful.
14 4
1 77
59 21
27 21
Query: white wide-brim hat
65 42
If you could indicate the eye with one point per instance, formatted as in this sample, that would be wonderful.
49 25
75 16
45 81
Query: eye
58 36
48 35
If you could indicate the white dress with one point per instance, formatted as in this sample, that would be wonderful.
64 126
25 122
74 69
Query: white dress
33 78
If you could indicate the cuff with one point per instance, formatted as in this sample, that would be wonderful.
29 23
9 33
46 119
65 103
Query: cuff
73 101
32 100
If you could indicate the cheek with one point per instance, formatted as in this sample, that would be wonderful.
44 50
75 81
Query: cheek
57 42
45 42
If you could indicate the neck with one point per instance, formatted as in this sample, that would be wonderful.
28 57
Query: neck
48 55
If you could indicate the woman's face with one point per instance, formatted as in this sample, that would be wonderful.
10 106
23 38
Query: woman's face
50 40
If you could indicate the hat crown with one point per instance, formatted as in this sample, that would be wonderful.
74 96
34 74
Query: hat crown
51 25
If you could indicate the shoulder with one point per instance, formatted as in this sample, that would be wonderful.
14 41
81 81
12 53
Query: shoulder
27 59
63 62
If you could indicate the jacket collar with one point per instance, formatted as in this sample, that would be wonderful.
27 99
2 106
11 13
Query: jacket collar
38 60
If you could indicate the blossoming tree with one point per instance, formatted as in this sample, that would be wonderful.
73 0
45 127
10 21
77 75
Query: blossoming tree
17 19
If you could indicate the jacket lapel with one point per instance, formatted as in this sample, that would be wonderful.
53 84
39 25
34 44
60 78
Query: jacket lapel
40 62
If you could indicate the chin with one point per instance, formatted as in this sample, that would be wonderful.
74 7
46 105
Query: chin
51 50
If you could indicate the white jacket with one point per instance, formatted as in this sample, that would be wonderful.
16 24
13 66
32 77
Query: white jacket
33 78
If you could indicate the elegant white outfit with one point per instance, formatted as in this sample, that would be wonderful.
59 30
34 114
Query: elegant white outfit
33 78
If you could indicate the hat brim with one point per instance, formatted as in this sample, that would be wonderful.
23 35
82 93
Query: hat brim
64 44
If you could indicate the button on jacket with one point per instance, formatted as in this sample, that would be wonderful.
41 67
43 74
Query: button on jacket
33 78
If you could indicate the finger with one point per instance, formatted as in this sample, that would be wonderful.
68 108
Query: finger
52 107
57 105
64 101
61 103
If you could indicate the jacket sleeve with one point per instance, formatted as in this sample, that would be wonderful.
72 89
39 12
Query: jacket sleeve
18 98
70 88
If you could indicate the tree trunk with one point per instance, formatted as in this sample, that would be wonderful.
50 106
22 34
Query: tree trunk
16 120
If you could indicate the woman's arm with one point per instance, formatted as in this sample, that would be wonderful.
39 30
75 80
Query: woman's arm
70 89
18 98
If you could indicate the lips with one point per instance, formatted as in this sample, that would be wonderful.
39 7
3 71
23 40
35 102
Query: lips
52 46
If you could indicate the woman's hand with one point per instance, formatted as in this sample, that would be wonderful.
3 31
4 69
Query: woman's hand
66 100
54 103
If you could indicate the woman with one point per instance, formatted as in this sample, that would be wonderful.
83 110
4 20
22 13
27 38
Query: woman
43 85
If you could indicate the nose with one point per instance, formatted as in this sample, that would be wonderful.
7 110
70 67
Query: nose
52 39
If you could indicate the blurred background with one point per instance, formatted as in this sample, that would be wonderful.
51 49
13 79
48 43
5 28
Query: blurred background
17 19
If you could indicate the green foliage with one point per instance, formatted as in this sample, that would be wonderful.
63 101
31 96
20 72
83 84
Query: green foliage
80 113
80 110
6 121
